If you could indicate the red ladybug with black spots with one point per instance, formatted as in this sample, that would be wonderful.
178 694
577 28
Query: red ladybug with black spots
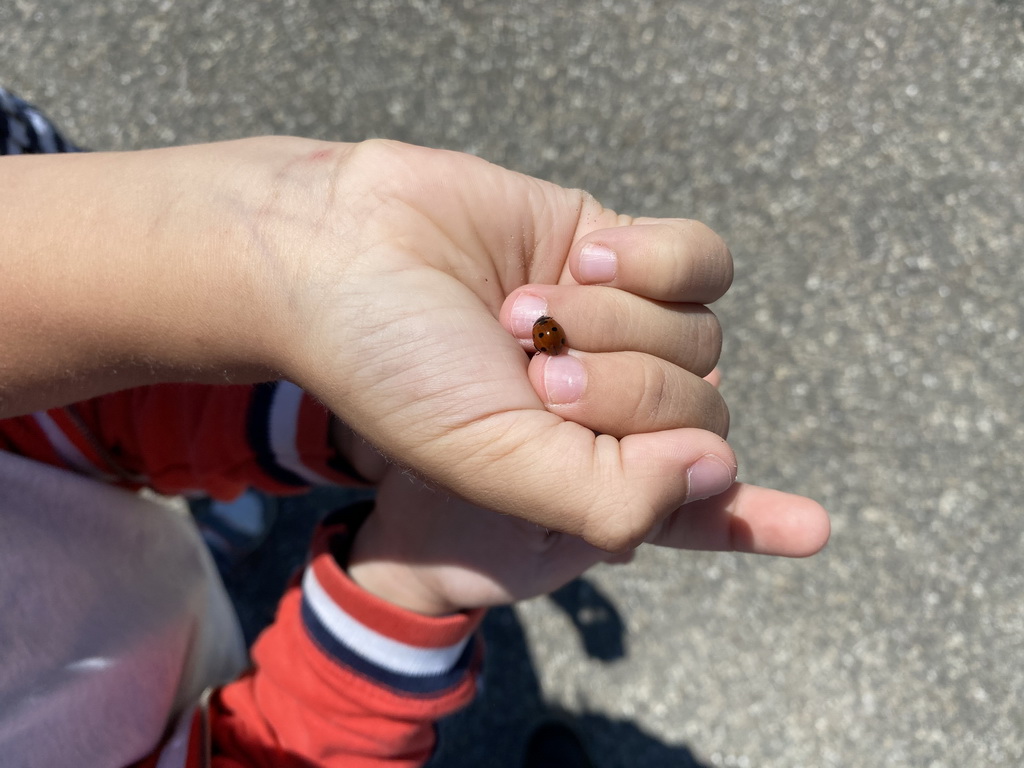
548 335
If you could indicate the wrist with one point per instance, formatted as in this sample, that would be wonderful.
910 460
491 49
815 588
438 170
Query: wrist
160 265
400 585
244 241
402 650
408 585
291 231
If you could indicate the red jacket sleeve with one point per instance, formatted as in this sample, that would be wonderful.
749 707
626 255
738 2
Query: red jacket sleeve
340 679
189 438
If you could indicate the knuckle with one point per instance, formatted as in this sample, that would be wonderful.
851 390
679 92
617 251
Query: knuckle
614 534
701 406
707 262
375 148
716 413
708 343
378 159
654 395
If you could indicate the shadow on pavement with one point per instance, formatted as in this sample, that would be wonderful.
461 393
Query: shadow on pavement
493 731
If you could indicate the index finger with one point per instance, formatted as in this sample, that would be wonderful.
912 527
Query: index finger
747 518
675 260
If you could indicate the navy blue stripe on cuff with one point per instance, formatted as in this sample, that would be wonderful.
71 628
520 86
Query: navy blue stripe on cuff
406 684
257 433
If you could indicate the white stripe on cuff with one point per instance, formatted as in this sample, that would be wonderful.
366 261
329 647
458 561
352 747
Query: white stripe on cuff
284 428
383 651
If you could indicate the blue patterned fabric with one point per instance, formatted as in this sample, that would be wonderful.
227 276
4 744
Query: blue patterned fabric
26 130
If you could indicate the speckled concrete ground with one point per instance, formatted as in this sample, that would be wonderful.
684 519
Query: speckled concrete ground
865 162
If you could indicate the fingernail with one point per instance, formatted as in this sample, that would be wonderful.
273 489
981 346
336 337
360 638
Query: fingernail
598 263
564 379
708 476
525 311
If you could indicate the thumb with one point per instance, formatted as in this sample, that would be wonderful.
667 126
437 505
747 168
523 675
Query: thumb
561 475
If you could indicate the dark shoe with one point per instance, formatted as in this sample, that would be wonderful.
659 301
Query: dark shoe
553 744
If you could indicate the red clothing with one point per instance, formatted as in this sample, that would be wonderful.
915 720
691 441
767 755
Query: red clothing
341 678
189 439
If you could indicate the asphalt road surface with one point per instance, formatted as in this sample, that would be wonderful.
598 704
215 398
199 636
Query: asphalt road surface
865 162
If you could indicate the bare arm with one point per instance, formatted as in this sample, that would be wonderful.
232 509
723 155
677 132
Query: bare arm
399 285
131 268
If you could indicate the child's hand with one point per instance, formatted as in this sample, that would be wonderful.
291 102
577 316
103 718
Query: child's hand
430 553
399 284
416 276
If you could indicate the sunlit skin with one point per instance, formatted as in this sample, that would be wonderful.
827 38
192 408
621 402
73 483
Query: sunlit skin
400 285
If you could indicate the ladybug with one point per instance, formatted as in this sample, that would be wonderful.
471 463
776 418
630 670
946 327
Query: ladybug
548 335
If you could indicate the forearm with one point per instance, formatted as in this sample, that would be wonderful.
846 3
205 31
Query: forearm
120 269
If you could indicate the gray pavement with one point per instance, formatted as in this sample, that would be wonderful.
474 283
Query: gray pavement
865 162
